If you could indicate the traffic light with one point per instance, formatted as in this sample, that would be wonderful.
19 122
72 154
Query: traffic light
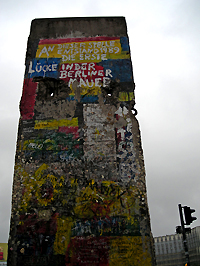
188 215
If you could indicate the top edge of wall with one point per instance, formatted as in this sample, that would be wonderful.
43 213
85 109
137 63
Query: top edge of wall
80 18
78 27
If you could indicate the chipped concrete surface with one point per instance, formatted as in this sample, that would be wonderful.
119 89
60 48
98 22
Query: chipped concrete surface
79 192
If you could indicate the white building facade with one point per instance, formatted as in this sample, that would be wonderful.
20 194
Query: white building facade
169 249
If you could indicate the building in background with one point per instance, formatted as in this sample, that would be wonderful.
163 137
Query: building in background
169 249
79 191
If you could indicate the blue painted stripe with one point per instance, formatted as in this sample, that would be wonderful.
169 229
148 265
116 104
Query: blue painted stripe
124 44
120 69
84 99
44 68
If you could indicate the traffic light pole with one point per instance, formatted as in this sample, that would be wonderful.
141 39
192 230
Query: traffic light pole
184 236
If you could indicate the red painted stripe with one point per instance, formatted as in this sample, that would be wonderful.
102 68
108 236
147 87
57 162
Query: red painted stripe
81 247
28 99
85 71
68 40
68 130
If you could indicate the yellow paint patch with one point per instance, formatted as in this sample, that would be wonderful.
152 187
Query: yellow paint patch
55 124
126 96
108 200
88 51
63 235
32 186
85 91
4 249
127 250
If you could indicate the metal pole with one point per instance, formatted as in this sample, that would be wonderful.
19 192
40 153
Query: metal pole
184 236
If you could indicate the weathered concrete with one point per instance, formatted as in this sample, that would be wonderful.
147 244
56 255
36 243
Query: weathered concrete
79 193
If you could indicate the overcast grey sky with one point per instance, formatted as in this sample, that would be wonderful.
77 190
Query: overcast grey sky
165 50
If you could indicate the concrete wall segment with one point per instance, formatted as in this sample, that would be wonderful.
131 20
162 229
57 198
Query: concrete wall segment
79 192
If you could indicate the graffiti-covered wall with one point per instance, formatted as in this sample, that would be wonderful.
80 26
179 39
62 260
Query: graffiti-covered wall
79 193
